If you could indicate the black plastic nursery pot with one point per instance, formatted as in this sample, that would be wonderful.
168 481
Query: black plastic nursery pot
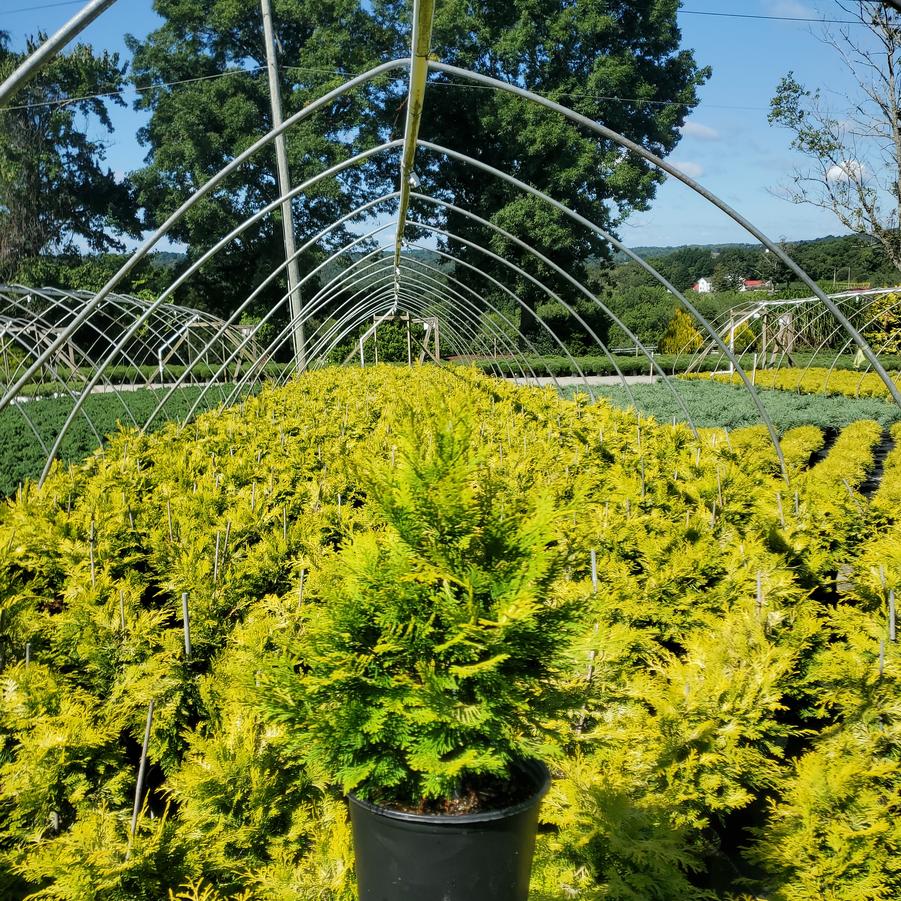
484 856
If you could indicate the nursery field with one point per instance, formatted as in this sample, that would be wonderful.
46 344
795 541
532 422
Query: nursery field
22 457
725 718
813 380
711 403
715 404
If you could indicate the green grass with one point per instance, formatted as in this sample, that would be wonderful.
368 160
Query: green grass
21 454
712 404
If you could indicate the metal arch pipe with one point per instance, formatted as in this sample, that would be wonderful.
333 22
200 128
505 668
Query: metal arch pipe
451 296
50 48
721 205
268 280
386 300
593 227
385 293
420 43
380 279
354 316
495 330
535 281
482 300
65 387
205 189
493 309
523 305
180 280
277 306
606 236
59 300
465 320
325 298
344 275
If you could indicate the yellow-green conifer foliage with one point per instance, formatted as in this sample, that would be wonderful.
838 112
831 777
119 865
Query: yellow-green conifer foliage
681 335
731 667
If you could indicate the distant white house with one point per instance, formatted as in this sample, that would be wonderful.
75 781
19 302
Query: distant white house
702 286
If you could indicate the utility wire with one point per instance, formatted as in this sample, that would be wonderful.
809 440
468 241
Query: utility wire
143 89
638 101
28 9
821 21
687 12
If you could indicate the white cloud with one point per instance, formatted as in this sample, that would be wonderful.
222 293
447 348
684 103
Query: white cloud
792 9
846 171
690 168
703 132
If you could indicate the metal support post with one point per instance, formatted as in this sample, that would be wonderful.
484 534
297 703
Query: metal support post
284 183
49 49
423 13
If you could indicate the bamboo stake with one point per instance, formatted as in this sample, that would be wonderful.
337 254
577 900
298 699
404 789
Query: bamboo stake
847 485
169 519
285 524
228 531
781 511
303 575
881 657
216 558
891 615
759 594
91 550
27 654
142 772
186 620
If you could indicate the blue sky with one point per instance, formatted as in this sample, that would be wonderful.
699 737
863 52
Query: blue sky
728 144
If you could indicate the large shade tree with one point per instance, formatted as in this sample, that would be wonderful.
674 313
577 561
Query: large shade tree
55 191
616 61
202 122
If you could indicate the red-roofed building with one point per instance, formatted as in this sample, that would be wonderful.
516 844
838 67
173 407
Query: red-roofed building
755 284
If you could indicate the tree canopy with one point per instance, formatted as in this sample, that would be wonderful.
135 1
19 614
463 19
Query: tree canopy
54 187
587 59
855 151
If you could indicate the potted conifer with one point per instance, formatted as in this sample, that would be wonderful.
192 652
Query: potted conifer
429 665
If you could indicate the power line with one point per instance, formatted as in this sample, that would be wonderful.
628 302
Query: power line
28 9
721 15
638 101
143 89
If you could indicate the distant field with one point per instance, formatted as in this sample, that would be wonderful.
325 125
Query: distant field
21 455
713 404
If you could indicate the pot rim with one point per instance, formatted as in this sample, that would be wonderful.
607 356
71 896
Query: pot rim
537 768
